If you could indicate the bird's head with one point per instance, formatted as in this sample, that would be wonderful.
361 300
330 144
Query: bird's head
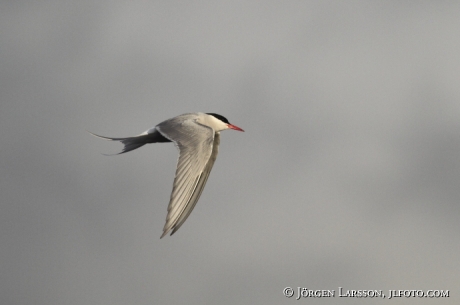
217 122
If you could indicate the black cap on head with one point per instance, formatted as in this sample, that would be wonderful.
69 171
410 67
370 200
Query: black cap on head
220 117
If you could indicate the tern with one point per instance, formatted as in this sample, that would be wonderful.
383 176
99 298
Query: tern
197 137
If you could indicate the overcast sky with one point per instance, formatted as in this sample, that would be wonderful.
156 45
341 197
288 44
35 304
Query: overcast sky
348 174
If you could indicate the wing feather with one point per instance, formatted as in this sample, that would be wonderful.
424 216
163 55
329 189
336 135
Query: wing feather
200 185
196 144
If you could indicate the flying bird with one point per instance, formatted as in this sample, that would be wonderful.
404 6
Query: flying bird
197 137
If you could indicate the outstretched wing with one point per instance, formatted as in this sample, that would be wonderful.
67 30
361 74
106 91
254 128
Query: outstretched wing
195 143
200 185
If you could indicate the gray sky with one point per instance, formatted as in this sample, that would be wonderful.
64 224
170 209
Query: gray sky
348 173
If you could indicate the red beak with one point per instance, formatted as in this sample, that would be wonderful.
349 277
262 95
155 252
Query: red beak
234 127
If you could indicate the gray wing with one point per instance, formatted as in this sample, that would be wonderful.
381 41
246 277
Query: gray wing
200 185
197 155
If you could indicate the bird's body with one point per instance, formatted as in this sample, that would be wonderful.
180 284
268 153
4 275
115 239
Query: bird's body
197 136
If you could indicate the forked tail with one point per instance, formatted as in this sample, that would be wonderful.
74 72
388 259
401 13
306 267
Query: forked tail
130 143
